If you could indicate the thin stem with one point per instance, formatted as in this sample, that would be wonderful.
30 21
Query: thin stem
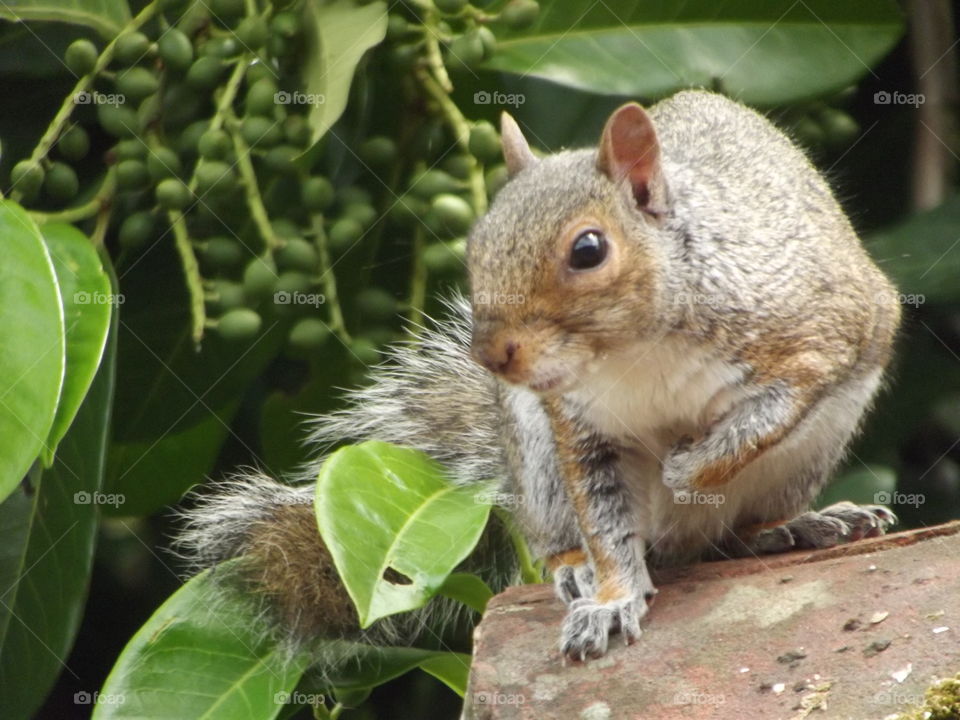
331 300
103 198
191 272
461 131
418 280
258 211
528 570
60 120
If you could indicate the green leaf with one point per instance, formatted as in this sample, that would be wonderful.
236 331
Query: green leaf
153 474
337 34
384 510
107 17
85 295
371 666
48 534
468 589
32 351
765 53
200 656
452 669
922 254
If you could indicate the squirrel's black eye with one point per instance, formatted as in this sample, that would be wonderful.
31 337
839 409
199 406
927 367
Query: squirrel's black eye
589 250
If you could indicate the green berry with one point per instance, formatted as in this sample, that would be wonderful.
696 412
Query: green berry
162 162
118 120
397 27
175 49
253 32
453 212
445 257
74 143
308 334
172 194
221 47
365 350
190 137
363 213
292 282
214 144
259 131
450 7
344 233
131 47
459 165
489 41
239 325
137 83
215 177
809 132
376 304
520 14
205 73
281 159
378 151
316 193
298 254
260 97
224 9
130 150
260 70
61 183
227 296
296 130
495 178
259 277
484 142
839 127
81 57
466 50
136 230
222 253
353 194
285 24
132 174
285 228
434 182
26 178
408 210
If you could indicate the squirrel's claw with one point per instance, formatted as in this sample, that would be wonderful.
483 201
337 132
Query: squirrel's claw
587 627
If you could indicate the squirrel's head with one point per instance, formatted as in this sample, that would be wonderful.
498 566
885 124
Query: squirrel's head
567 266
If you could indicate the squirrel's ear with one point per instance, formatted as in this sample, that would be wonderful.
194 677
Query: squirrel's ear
629 150
516 152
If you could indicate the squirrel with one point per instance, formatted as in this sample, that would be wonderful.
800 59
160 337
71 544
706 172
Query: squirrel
670 342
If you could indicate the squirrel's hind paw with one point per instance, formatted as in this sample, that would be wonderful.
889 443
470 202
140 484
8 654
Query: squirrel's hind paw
839 523
588 624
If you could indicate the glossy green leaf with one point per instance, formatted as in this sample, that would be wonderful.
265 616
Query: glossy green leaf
107 17
48 534
468 589
200 657
761 53
452 669
337 34
395 525
86 298
922 255
371 666
32 351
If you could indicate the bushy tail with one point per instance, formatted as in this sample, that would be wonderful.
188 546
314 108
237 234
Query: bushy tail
429 395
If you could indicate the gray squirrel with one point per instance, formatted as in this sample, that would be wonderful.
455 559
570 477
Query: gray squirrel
671 340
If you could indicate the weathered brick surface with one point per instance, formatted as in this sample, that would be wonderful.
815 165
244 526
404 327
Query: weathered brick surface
856 632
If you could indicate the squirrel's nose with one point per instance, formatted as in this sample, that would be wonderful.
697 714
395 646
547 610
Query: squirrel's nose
497 354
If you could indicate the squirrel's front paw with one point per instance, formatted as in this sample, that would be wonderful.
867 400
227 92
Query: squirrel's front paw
572 582
588 624
680 467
